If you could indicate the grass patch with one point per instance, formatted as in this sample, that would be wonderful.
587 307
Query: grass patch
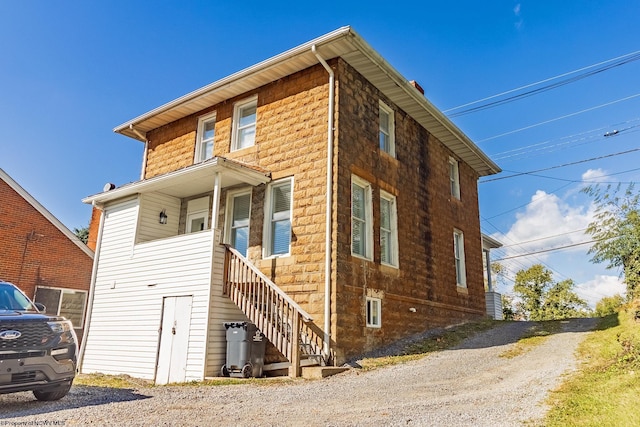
127 382
605 390
450 337
535 336
110 381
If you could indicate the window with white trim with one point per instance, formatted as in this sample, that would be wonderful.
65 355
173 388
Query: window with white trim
388 230
69 303
361 218
205 137
454 178
277 230
238 215
244 124
197 215
458 252
374 312
386 129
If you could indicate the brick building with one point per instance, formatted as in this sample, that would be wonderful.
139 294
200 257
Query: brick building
318 194
41 256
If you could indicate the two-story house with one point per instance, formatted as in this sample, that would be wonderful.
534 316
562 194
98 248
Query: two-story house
318 194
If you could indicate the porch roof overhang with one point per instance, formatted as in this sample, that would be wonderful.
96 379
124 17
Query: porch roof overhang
489 242
345 43
189 181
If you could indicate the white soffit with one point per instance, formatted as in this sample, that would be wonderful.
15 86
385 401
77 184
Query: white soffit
345 43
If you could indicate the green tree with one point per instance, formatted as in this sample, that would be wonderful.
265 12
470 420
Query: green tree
560 302
542 299
616 231
82 234
609 305
509 311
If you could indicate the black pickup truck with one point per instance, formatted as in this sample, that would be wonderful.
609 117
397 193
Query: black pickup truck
38 352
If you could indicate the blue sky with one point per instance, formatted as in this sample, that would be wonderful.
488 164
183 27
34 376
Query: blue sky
71 71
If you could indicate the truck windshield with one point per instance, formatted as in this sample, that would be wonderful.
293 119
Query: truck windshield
12 299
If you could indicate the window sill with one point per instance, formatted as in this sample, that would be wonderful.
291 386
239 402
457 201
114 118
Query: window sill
278 260
462 289
361 257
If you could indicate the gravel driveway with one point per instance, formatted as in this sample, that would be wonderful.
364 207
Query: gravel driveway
466 386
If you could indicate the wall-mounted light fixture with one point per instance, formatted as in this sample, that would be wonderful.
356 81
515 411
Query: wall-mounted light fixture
163 217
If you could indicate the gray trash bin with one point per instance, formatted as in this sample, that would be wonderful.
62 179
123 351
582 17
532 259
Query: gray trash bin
245 350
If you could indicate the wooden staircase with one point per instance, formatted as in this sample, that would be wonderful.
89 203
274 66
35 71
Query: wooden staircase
289 328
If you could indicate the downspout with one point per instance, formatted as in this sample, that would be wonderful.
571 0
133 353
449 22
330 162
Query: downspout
327 249
92 291
144 154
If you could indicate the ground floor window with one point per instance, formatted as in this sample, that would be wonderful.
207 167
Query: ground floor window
69 303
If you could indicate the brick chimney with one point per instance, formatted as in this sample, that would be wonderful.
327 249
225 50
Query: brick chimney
417 86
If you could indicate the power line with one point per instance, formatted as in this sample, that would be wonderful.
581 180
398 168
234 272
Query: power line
547 250
515 174
583 137
544 238
621 60
606 104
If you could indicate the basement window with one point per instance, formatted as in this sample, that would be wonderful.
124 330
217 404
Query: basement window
374 312
69 303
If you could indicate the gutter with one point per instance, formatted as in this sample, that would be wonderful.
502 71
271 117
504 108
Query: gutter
329 204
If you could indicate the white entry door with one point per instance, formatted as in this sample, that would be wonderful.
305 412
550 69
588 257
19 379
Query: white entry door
174 339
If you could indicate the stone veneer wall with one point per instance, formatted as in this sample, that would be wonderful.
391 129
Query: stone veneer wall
291 138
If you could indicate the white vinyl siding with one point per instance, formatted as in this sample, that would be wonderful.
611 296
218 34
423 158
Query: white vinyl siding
386 129
278 221
458 252
374 312
361 218
244 124
131 282
149 227
197 215
388 230
454 177
205 137
238 216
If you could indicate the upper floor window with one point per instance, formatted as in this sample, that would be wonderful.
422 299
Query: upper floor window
454 177
388 230
197 215
458 252
238 216
244 124
386 129
204 138
278 221
361 218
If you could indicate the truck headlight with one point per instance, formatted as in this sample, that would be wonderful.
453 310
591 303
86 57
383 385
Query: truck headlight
60 326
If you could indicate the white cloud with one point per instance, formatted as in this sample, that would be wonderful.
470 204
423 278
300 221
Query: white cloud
597 175
599 287
516 9
548 222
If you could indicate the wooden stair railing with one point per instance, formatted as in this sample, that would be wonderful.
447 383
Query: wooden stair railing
280 318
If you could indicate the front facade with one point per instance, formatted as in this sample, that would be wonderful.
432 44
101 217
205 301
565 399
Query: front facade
328 178
41 256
